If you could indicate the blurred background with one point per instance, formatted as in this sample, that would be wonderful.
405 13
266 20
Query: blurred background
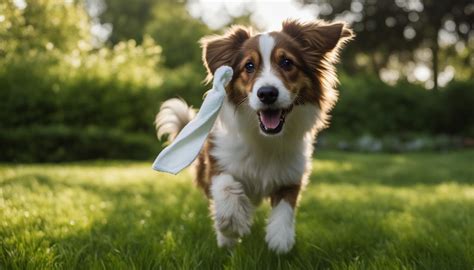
83 79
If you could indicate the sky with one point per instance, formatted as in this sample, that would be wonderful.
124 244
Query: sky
267 15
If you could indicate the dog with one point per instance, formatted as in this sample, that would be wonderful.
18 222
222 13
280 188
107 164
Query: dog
279 98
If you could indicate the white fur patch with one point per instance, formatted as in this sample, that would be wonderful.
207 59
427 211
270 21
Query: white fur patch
232 208
266 44
224 241
268 77
280 235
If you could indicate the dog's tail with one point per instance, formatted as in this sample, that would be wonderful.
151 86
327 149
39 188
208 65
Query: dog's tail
174 114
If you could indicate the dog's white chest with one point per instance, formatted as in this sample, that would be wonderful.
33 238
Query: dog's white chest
261 168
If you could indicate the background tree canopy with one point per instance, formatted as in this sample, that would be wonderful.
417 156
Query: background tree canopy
83 79
398 28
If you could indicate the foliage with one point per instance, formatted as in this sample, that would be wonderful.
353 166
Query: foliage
178 34
109 88
42 25
167 22
128 18
416 212
71 101
394 29
455 111
390 17
367 105
53 143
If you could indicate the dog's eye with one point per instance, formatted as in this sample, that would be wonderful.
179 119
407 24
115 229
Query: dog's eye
286 64
249 67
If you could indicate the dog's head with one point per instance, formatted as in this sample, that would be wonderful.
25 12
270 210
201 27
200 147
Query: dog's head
276 71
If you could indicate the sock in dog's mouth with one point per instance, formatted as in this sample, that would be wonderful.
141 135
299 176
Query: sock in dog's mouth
272 120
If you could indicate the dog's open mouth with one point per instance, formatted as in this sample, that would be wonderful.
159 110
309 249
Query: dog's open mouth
272 120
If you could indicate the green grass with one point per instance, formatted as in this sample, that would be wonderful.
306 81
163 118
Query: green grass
359 211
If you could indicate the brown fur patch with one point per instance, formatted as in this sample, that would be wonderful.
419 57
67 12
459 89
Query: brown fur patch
288 193
243 81
299 79
206 167
218 50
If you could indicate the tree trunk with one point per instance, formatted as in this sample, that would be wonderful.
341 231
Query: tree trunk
375 64
435 51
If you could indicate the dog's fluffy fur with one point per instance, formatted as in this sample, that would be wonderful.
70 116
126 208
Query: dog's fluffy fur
261 146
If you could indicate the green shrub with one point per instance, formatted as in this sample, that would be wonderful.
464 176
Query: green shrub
455 109
61 143
84 104
368 106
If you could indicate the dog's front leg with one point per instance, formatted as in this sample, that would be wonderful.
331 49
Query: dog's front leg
231 208
280 235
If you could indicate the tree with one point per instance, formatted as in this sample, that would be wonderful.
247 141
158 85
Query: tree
178 34
128 18
389 27
433 17
175 30
42 25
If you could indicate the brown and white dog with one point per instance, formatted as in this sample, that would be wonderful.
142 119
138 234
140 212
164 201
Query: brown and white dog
261 146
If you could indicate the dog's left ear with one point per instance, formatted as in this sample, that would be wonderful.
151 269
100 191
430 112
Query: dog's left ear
320 36
218 50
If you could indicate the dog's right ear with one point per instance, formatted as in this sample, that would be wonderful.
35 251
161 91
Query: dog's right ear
218 50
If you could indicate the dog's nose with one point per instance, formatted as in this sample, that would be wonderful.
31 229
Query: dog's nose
267 94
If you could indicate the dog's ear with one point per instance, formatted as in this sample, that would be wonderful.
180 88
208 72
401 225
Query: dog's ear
319 36
218 50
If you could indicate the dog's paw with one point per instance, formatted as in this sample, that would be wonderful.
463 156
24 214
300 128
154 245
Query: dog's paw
237 222
224 241
232 208
280 235
280 242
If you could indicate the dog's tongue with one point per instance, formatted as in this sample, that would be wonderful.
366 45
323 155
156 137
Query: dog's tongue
270 118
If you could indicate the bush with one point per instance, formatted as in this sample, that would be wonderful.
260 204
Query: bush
63 98
80 105
455 113
369 106
61 143
117 88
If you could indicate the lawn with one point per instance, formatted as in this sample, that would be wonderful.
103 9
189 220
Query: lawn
359 211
